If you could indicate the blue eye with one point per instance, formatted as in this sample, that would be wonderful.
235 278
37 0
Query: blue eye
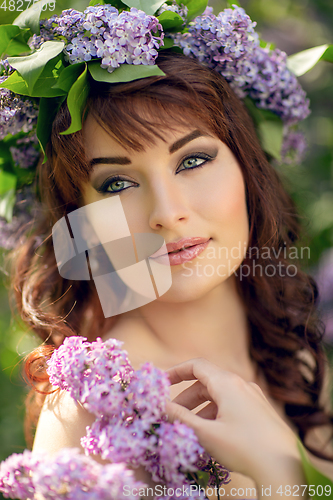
115 185
192 162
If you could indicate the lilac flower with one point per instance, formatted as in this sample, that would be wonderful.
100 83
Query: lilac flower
217 473
90 372
16 114
147 393
68 24
25 154
324 278
130 428
5 69
115 37
294 146
15 475
228 44
118 441
68 475
176 453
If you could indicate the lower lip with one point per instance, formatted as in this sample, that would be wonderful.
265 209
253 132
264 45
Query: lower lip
187 254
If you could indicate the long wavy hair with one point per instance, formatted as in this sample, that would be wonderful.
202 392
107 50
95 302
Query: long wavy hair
281 309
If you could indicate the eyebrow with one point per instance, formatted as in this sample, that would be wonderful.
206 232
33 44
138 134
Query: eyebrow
124 160
188 138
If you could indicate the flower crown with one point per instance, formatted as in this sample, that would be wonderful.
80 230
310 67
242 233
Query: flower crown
51 60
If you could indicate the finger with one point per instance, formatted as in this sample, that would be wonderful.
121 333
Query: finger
197 368
178 412
209 412
193 396
203 429
211 376
258 389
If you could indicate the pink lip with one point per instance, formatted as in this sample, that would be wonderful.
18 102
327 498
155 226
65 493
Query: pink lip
188 248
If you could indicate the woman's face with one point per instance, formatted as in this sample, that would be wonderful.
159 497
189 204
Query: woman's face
188 188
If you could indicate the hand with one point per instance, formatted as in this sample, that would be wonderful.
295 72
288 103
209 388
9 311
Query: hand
238 427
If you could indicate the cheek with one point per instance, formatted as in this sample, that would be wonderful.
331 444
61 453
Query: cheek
224 203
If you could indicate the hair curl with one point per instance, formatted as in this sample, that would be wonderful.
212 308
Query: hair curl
281 310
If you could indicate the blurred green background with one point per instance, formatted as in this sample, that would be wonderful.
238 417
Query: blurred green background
293 25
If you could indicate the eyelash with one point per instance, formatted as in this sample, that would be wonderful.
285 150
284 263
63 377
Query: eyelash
115 178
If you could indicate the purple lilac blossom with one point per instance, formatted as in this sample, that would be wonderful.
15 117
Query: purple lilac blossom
90 372
25 153
47 33
228 44
218 474
130 428
16 114
294 146
68 475
15 475
175 454
324 278
102 32
130 407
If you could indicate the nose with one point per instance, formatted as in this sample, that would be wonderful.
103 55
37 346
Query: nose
169 205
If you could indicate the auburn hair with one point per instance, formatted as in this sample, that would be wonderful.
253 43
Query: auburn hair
281 310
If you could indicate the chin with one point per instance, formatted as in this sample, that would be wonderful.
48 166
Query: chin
190 288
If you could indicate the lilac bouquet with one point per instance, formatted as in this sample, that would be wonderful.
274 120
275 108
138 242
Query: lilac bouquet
130 430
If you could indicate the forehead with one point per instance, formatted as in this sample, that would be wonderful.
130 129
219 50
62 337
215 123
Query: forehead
136 121
99 141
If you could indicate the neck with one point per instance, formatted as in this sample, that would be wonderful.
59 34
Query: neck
214 327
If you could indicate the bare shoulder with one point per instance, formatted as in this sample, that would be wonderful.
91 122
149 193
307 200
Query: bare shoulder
140 342
61 424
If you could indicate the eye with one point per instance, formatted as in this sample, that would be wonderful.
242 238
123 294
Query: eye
115 185
192 162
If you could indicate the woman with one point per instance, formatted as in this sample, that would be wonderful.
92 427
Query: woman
182 154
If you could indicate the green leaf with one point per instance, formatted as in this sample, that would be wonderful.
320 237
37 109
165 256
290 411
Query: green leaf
7 181
233 2
267 45
45 85
92 3
76 102
269 127
195 8
271 136
30 67
7 202
328 55
168 43
69 76
202 478
48 108
303 61
148 6
12 40
6 160
15 83
170 20
125 73
313 476
29 18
